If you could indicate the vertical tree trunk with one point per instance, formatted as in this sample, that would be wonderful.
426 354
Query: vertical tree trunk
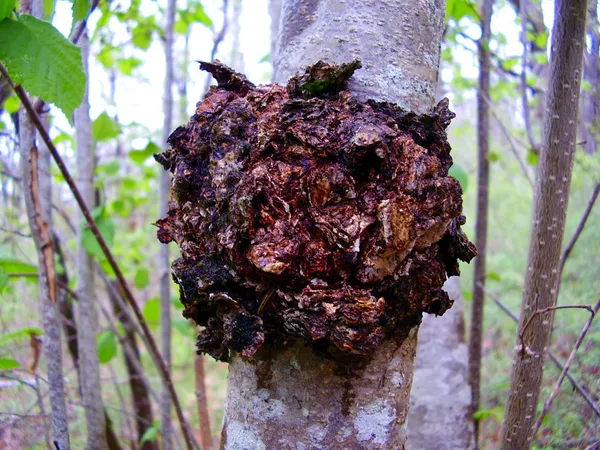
164 265
551 199
292 398
440 416
589 127
37 189
237 57
203 417
483 169
89 366
142 406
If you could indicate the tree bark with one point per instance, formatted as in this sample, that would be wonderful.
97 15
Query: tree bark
89 367
164 265
38 201
551 199
483 181
37 190
293 398
140 397
591 98
440 415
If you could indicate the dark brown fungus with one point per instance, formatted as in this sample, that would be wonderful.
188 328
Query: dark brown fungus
302 213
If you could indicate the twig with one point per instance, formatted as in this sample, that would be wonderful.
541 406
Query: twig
217 41
523 77
578 387
539 312
580 226
152 347
554 393
18 233
511 143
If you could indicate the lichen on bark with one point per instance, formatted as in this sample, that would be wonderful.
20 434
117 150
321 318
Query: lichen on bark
303 213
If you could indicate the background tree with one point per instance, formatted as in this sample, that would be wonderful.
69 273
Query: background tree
550 210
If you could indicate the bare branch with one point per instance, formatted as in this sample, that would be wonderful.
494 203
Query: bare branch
576 385
582 222
152 347
218 38
554 393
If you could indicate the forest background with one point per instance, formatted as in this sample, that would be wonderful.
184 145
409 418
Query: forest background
127 72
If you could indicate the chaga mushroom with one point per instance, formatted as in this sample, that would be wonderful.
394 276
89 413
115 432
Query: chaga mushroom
302 213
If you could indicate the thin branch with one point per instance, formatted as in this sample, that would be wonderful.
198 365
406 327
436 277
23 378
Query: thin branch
18 233
580 226
152 347
554 393
217 41
578 387
539 312
511 143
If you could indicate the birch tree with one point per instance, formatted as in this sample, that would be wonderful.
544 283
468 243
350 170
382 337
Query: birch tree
164 264
550 209
399 47
89 365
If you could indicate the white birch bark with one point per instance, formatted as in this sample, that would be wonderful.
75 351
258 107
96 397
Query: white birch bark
87 321
294 399
164 265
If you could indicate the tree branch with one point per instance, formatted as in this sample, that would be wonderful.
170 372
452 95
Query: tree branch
152 347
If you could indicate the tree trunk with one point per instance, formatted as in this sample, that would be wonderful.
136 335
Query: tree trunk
551 199
140 396
292 398
89 366
440 415
37 190
483 181
164 266
590 102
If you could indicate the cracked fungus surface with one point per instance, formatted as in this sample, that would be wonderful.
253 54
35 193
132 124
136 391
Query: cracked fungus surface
302 213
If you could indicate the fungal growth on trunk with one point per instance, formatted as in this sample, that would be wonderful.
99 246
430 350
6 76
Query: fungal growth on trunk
302 213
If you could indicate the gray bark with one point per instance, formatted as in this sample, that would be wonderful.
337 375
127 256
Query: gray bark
37 189
440 416
237 57
481 227
52 347
591 99
89 366
398 42
294 399
164 266
550 209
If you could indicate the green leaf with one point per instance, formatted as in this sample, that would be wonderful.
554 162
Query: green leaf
110 168
43 61
532 158
126 65
8 364
106 225
457 9
140 156
105 57
142 278
150 434
265 58
11 104
200 16
6 8
107 346
13 265
80 10
121 207
141 37
49 8
460 175
104 128
495 413
493 276
493 156
176 303
181 26
4 280
23 333
152 312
